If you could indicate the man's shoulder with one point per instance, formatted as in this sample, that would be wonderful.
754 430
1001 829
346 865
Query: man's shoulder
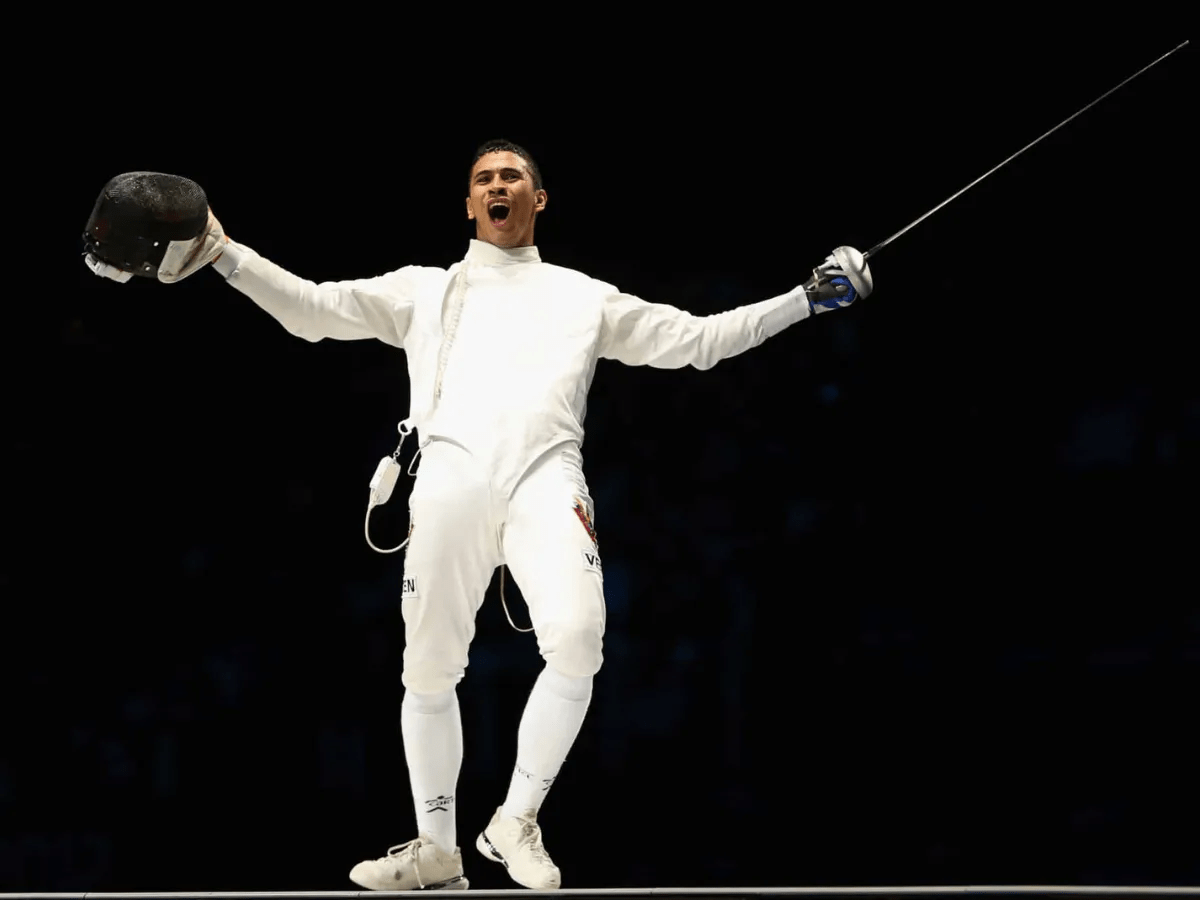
419 275
576 278
422 271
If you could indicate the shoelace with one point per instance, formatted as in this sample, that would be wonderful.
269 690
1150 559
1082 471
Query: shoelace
531 834
411 849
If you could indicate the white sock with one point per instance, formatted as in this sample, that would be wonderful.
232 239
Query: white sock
433 746
551 722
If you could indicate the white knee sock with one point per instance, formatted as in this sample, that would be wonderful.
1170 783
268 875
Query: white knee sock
433 746
549 726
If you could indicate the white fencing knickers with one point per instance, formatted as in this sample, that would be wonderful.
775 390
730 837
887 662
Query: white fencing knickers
462 529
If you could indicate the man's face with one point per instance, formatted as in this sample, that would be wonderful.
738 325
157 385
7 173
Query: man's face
502 200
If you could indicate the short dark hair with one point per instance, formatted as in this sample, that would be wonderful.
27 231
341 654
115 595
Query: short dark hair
509 146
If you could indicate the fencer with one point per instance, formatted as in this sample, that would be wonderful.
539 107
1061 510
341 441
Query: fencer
501 349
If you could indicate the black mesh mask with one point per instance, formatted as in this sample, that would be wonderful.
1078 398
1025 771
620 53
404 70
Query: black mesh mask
138 214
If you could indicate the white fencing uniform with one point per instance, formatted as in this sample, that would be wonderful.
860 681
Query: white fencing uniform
501 352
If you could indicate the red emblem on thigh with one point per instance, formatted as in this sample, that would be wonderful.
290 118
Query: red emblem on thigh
586 519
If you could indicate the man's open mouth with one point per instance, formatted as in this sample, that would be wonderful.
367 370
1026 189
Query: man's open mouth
498 212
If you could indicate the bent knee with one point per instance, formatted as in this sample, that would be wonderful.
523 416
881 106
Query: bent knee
574 650
430 676
428 704
422 681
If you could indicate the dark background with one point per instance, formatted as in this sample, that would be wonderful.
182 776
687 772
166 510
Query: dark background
901 596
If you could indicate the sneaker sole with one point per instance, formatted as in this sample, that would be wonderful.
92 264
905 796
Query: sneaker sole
484 846
454 884
488 849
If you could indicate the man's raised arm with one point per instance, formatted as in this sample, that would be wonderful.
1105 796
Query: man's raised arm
639 333
157 225
378 307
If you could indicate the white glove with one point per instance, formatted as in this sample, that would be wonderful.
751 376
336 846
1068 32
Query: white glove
839 281
185 257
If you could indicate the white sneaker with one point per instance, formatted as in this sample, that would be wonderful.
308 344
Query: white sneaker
417 865
517 844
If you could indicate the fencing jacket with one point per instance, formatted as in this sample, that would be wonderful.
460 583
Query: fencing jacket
501 346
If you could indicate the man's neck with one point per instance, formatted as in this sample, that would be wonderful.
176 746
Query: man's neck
495 255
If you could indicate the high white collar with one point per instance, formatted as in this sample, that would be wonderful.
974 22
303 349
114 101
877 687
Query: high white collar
485 254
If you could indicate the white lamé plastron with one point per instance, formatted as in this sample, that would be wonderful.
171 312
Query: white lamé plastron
856 269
